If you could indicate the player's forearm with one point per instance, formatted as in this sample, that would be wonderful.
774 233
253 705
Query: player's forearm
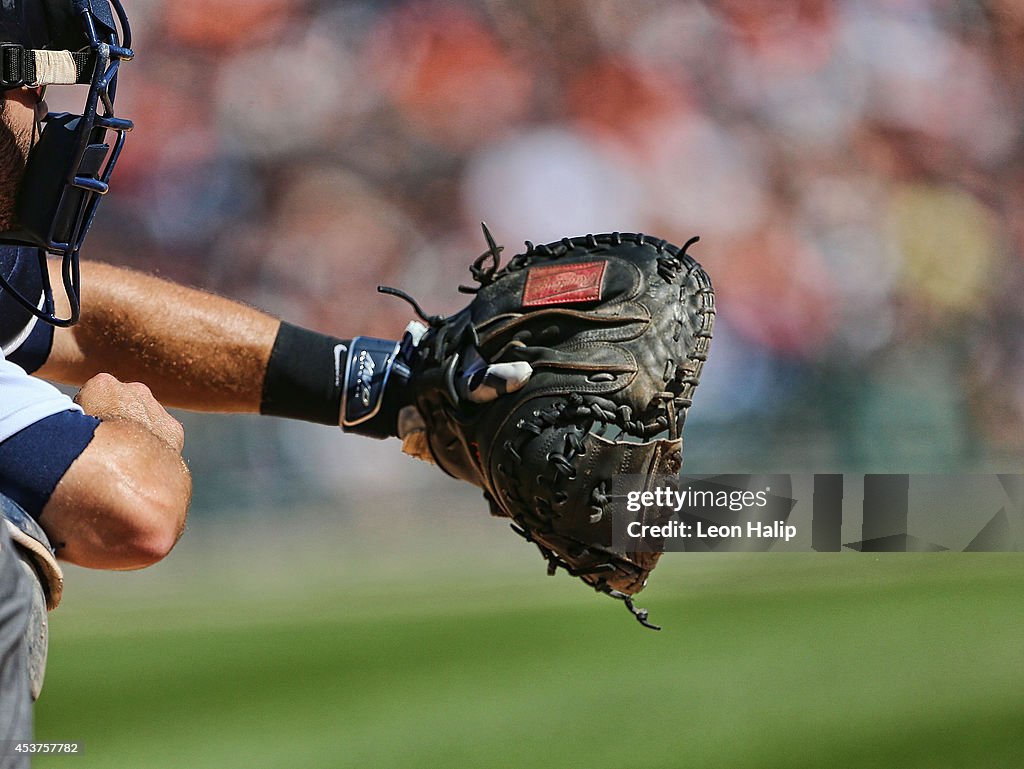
199 351
195 350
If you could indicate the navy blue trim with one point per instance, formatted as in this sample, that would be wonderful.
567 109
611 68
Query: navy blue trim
33 352
22 267
33 460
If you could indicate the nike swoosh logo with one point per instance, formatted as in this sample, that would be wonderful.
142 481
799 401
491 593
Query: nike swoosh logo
339 351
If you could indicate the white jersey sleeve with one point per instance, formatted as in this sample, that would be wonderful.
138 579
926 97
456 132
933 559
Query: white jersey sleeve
26 399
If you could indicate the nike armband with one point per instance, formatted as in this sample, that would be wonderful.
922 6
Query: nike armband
318 378
304 376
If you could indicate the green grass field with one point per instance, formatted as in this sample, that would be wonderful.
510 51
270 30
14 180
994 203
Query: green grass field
787 661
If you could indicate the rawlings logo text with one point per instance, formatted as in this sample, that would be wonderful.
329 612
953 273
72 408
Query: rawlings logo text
564 284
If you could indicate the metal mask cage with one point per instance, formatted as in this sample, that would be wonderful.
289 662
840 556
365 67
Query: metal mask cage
82 162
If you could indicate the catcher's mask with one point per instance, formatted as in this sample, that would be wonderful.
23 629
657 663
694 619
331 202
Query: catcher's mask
63 42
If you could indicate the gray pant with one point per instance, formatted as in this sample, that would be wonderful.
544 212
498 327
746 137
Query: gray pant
15 688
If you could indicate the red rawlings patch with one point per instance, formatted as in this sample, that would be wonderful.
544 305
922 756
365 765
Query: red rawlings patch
563 284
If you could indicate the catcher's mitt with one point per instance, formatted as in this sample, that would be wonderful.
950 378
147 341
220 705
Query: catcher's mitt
616 328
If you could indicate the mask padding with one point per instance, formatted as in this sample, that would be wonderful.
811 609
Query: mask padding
40 198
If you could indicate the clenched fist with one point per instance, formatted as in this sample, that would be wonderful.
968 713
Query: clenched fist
107 398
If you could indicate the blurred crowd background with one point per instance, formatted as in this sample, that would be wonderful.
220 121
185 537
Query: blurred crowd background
855 171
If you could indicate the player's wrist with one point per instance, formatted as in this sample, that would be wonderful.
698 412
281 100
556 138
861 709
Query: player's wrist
360 384
302 380
375 387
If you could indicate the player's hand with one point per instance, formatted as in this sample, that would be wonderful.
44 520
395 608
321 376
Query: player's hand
107 398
